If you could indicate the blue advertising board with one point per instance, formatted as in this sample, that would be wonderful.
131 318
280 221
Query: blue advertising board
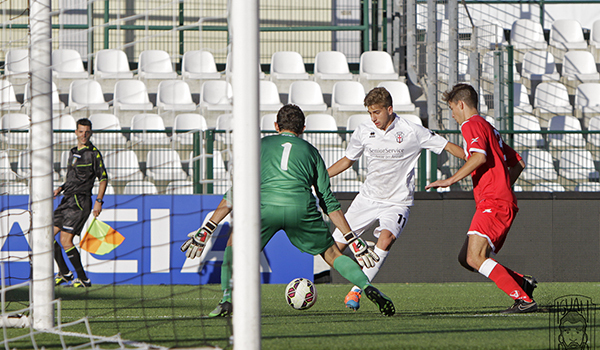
154 227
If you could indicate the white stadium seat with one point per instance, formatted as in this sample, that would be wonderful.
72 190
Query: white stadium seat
67 64
269 97
377 65
348 96
527 34
12 122
149 122
331 65
111 64
539 65
216 95
8 98
565 123
527 122
164 165
288 65
140 188
86 94
199 64
185 124
17 63
122 165
57 104
6 172
175 95
321 122
400 95
131 95
307 95
539 166
155 64
577 165
106 122
567 34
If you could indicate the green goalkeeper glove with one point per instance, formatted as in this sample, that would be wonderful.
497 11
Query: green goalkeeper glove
363 252
194 246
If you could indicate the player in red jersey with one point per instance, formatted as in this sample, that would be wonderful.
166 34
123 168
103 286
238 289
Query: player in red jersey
494 167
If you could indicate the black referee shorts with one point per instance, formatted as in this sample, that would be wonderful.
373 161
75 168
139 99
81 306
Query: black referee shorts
72 213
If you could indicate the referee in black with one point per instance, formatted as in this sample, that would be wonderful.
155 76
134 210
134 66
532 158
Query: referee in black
85 165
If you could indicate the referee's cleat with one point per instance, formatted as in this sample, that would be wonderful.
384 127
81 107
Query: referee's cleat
352 300
78 283
224 309
521 307
386 306
528 285
60 279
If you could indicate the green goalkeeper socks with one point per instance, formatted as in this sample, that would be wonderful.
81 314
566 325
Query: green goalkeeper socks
226 272
351 271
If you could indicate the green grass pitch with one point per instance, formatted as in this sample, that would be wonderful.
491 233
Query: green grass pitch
428 316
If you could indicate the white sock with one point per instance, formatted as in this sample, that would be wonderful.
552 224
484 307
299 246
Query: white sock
372 272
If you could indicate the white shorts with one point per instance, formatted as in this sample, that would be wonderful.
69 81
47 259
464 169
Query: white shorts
363 212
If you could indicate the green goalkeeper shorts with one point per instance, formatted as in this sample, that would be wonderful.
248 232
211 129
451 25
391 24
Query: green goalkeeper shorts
304 227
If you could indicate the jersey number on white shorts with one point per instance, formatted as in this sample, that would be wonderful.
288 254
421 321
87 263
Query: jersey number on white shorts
285 157
401 220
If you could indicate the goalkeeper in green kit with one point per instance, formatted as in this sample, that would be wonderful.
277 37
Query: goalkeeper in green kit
290 166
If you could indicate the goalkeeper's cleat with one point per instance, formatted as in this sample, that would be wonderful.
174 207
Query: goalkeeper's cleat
521 306
352 300
386 306
224 309
60 279
528 285
78 283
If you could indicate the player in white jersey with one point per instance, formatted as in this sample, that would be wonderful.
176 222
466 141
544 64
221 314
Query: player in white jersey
392 146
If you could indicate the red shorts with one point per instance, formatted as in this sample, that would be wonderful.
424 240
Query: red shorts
492 220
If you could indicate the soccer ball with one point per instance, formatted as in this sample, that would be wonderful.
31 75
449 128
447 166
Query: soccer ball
301 294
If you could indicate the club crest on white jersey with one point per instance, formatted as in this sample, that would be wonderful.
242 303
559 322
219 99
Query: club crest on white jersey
399 137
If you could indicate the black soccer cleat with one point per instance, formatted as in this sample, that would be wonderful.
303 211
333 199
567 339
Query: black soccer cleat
60 279
521 307
528 285
224 309
386 306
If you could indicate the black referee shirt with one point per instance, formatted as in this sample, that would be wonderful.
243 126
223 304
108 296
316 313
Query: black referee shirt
84 166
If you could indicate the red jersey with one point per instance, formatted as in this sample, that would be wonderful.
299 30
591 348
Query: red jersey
491 180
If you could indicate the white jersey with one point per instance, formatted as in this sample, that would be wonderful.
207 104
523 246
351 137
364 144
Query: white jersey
391 156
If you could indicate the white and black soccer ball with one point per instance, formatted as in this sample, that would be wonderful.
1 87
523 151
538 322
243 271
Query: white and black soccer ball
301 293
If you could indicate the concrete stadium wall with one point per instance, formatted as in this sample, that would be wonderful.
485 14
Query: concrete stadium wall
555 237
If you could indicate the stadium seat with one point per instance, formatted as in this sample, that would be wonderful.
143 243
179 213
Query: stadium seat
8 98
185 125
551 98
57 104
155 64
111 64
131 95
566 34
148 122
539 65
122 165
548 187
355 120
321 122
400 95
594 125
107 122
348 96
587 98
229 69
67 124
67 64
526 122
14 188
331 65
487 68
267 122
540 166
110 190
175 95
577 165
12 122
199 65
17 64
415 119
221 177
269 97
521 102
216 95
224 124
86 94
578 67
588 187
374 67
490 35
164 165
6 172
527 34
287 65
307 95
565 123
140 188
180 187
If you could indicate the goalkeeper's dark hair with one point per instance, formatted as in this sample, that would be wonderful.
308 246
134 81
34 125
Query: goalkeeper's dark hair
379 96
462 92
84 122
290 117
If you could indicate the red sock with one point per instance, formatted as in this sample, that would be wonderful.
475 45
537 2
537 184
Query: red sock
515 275
503 279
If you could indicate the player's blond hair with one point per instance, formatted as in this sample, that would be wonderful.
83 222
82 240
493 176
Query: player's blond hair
378 96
